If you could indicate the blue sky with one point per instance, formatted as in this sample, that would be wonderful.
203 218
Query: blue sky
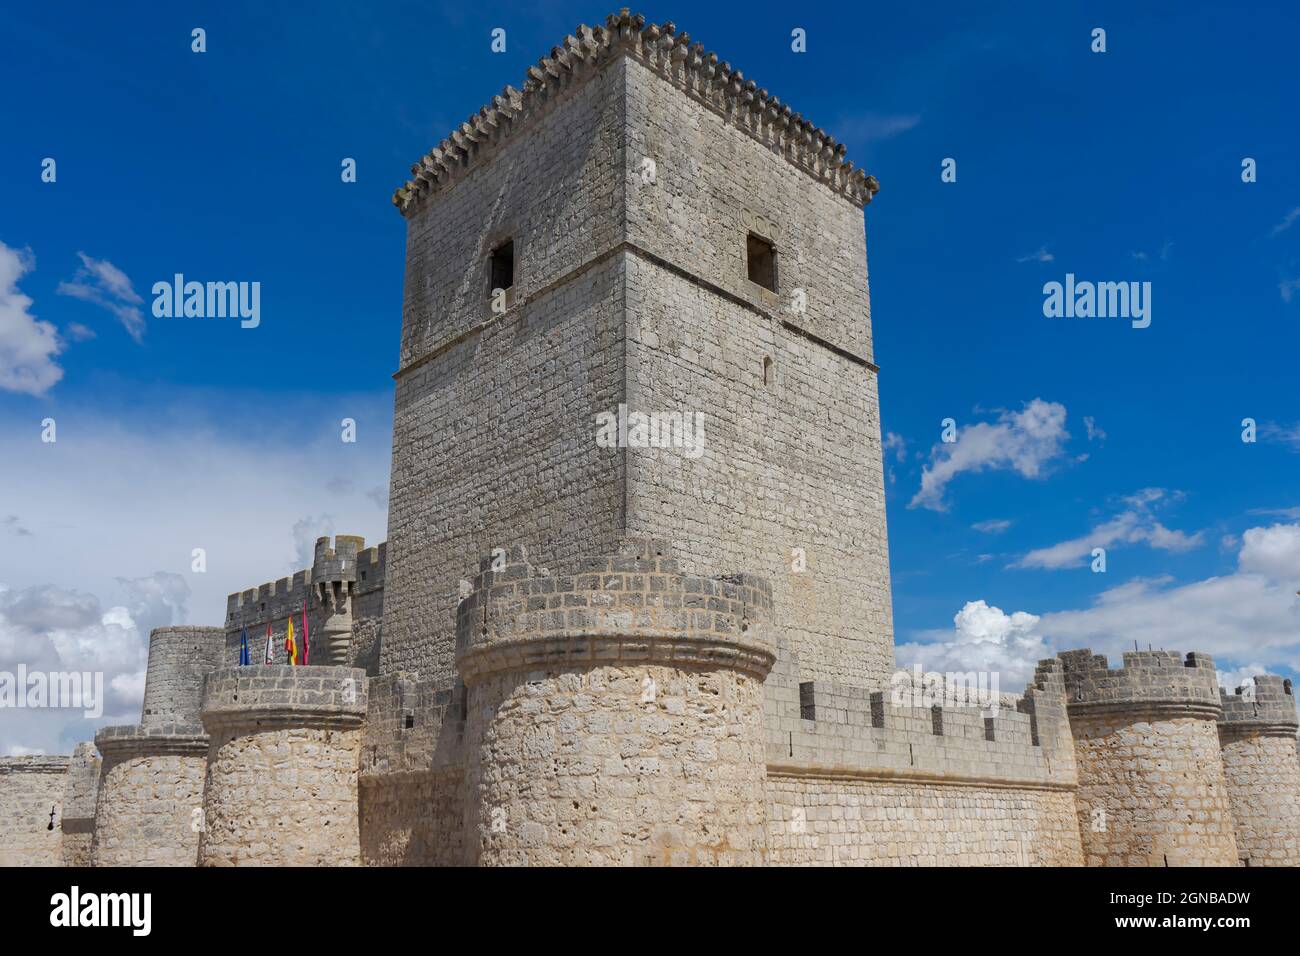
1117 166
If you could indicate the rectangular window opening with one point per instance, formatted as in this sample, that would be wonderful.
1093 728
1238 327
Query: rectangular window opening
503 266
761 257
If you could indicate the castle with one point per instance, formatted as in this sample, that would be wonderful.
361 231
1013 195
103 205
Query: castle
574 654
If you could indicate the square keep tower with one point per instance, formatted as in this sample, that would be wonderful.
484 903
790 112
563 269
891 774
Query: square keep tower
640 231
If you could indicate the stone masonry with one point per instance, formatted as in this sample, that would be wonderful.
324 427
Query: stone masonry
665 642
1257 734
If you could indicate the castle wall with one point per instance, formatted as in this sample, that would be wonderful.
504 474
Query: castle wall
412 787
614 713
150 806
148 809
1257 737
275 602
867 778
1151 784
281 786
179 661
79 796
493 428
828 821
31 800
793 462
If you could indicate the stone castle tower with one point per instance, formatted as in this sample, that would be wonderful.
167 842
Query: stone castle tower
671 651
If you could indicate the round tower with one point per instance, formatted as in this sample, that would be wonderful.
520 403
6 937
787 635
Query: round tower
1258 735
150 801
1151 784
614 712
282 766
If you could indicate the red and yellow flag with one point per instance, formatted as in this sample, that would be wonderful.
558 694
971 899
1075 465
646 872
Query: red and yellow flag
290 647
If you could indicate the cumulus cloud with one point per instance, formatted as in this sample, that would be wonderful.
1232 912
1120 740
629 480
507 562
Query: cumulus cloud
28 346
100 282
992 526
50 629
1136 524
1094 432
984 638
1025 442
1248 620
1042 255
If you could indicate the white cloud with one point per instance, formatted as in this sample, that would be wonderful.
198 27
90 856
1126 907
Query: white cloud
116 507
1286 222
897 444
49 629
873 127
100 282
992 526
1288 288
983 638
1042 255
28 347
1094 433
1135 525
1251 615
1025 442
1283 434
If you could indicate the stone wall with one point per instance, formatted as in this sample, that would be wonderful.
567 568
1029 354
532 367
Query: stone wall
31 800
150 806
830 820
493 433
275 602
281 787
79 796
179 661
614 713
1151 782
1257 735
860 777
412 774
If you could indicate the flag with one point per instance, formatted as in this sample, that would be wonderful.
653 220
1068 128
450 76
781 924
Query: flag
290 648
244 659
306 636
270 656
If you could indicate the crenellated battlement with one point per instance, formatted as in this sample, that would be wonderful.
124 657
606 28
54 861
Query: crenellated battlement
1148 681
1267 708
633 606
708 80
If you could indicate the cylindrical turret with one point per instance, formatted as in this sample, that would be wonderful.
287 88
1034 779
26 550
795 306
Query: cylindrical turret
1258 735
282 766
1151 785
614 713
150 803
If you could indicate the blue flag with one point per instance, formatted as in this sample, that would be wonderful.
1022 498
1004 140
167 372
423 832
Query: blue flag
244 659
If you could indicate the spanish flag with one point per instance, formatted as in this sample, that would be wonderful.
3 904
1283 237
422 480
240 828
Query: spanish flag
290 648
